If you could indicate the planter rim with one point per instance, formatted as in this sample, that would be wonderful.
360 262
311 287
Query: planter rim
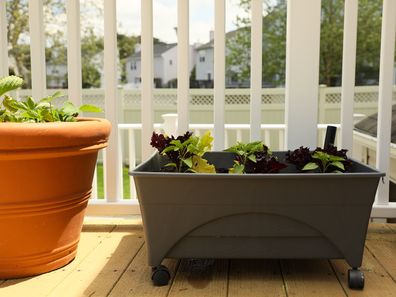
294 175
84 133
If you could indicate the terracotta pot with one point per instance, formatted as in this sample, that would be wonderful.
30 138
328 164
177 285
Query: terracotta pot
46 172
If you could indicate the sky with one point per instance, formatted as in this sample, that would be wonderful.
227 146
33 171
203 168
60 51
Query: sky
165 18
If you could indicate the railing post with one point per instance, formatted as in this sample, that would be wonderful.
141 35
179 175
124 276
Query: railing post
3 40
219 75
183 69
170 124
112 160
322 103
302 72
147 58
348 74
37 48
74 76
255 72
385 97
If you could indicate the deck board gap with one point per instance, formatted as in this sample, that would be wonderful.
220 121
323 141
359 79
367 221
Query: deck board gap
337 277
283 278
125 269
380 263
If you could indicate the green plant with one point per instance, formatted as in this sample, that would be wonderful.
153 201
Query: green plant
28 110
254 157
326 163
185 152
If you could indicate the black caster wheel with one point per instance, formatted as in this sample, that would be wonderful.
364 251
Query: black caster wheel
160 275
355 279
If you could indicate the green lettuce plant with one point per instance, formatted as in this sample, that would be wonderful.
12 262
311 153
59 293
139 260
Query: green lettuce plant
254 157
30 111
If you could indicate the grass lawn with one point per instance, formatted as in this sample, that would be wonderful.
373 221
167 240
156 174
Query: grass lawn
99 171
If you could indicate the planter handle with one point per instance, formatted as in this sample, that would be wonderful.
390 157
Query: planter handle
330 136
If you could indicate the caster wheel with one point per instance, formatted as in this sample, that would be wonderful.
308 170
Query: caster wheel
355 279
160 275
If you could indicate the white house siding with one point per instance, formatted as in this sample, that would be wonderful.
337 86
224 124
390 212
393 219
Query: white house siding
169 69
163 69
56 76
203 68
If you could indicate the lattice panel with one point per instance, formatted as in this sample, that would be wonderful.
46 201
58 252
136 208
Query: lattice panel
94 99
237 99
165 99
273 98
333 98
202 99
131 98
366 97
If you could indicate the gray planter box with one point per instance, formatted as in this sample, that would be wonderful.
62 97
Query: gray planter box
284 215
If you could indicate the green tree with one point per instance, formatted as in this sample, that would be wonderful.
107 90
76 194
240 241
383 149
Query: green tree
332 19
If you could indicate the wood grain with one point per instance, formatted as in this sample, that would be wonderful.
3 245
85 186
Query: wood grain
253 278
201 278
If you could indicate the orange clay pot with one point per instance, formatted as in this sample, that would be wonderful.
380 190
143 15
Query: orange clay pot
46 172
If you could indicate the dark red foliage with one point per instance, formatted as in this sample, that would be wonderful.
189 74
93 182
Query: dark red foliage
299 157
161 141
265 163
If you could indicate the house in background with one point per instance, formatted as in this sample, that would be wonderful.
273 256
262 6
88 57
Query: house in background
204 62
165 66
56 76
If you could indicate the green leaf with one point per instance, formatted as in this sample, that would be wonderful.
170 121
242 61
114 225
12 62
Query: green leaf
170 165
188 162
310 166
252 158
10 83
338 165
30 103
69 109
335 158
9 104
169 149
90 108
238 169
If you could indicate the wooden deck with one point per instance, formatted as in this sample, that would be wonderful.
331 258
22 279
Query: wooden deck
111 261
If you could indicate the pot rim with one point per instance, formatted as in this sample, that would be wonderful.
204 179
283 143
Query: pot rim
86 133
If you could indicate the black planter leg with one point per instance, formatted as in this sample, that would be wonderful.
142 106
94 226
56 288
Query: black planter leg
355 279
160 275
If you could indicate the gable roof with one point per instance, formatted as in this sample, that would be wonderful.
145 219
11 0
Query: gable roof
159 49
210 44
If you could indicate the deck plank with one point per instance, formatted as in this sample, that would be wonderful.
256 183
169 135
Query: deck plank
136 279
96 275
200 278
392 227
377 280
111 259
308 278
252 278
384 251
44 283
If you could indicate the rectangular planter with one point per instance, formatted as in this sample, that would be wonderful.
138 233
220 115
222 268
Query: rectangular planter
285 215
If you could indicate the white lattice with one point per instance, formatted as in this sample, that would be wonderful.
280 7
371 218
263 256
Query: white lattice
204 99
333 98
366 97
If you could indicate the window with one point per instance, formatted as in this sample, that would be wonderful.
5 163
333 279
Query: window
170 62
133 65
202 59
